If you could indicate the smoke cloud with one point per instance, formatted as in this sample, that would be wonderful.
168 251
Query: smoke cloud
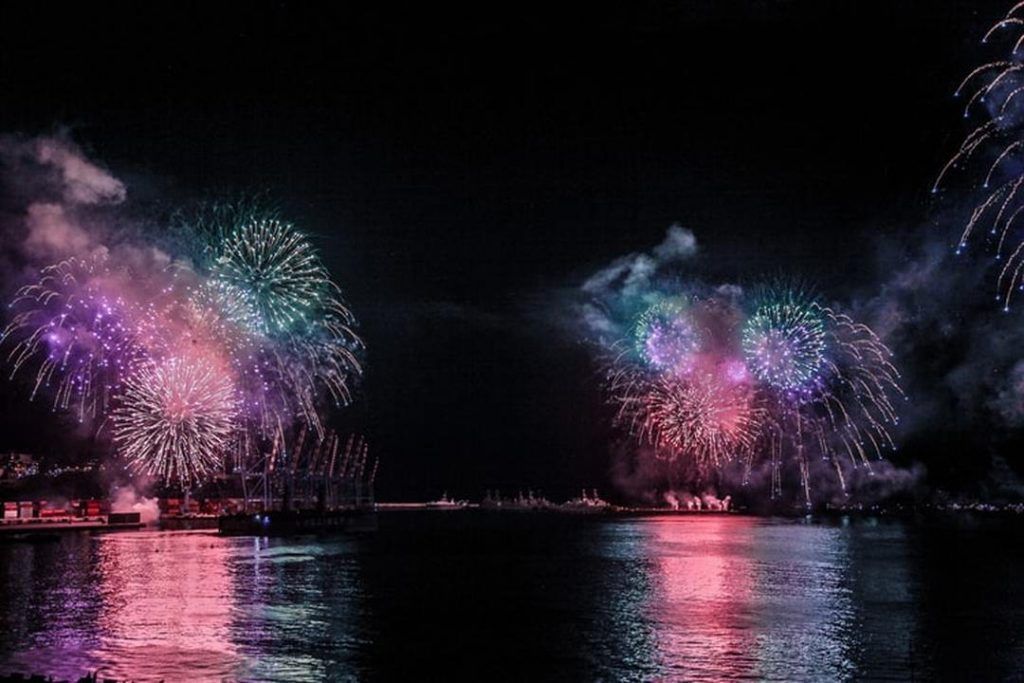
58 164
959 352
631 280
56 202
127 499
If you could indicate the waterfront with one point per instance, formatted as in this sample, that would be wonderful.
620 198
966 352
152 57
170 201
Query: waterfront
526 596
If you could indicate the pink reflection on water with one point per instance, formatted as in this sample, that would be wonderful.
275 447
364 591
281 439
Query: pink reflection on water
140 606
167 605
741 598
703 591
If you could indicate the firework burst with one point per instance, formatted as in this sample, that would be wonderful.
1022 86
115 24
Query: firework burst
233 340
176 419
701 420
784 342
271 269
266 277
710 421
843 412
665 337
80 332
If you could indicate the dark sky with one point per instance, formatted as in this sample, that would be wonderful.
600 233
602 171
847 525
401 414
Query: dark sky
461 169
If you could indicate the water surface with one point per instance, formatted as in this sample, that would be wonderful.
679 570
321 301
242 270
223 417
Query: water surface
526 597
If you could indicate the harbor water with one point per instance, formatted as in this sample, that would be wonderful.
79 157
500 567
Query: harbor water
526 596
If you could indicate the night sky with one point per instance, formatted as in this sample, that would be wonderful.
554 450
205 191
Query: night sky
462 172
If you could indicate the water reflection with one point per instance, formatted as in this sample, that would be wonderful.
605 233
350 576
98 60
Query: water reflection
50 615
805 622
166 605
701 602
736 598
298 611
522 597
886 592
180 606
131 604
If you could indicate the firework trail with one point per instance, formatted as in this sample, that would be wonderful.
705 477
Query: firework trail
994 95
176 419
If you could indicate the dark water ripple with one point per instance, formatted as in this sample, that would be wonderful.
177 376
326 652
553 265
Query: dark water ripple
527 597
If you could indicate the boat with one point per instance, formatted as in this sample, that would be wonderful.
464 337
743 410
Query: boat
446 503
586 504
528 502
491 501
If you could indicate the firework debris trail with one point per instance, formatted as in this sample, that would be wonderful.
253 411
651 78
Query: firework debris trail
226 340
991 155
